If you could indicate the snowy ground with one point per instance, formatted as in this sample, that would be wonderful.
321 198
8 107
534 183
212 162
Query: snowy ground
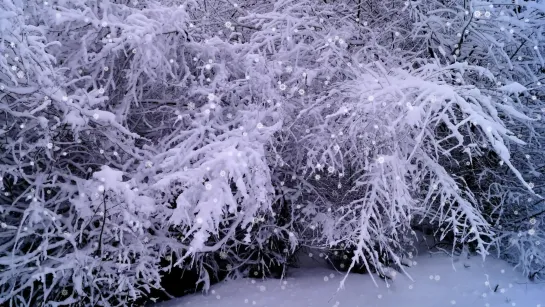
437 280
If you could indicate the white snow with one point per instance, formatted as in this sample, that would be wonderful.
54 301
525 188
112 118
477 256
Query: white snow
513 87
438 280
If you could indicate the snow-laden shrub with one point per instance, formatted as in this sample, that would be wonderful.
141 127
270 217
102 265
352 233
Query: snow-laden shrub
388 126
221 136
107 115
400 155
505 39
70 225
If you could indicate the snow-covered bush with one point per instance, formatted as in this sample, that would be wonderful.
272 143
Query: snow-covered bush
504 38
388 125
63 240
95 139
222 136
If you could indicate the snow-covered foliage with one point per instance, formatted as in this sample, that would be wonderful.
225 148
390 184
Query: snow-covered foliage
507 41
223 135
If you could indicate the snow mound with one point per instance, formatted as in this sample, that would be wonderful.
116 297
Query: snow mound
436 281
